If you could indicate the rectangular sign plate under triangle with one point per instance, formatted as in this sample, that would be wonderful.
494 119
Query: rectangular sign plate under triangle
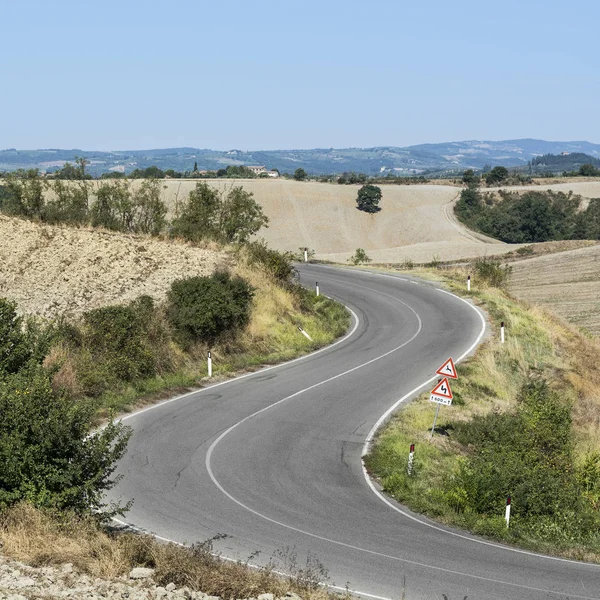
447 370
438 400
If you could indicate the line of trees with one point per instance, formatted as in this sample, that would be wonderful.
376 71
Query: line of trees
231 216
533 216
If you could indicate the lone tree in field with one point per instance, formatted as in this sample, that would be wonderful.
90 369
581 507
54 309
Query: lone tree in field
300 175
368 198
496 176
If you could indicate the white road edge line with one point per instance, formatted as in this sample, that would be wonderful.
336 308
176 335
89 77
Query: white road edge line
411 394
257 372
365 449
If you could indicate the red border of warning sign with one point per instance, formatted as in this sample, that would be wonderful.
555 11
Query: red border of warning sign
443 373
434 391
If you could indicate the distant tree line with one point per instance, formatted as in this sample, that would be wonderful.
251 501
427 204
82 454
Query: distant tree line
533 216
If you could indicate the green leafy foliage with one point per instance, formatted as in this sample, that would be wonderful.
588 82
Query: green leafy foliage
240 216
277 264
205 308
359 257
25 194
534 216
497 176
492 271
527 454
368 198
14 349
115 345
209 214
46 454
300 175
70 203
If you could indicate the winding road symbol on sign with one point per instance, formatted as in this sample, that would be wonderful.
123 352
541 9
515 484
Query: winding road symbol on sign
448 370
441 393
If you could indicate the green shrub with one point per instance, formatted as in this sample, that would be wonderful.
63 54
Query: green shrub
47 456
14 348
492 271
115 345
205 308
359 257
527 454
277 264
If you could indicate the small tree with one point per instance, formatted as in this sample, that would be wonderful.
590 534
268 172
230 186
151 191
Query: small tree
359 257
368 198
199 217
300 175
240 216
204 308
496 176
150 210
195 167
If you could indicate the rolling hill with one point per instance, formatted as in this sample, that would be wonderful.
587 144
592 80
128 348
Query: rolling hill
409 160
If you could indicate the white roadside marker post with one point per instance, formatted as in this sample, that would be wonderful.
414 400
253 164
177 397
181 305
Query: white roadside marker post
507 514
304 333
317 288
209 364
305 254
502 332
411 457
468 283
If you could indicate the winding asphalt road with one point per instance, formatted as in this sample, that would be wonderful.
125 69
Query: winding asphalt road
273 459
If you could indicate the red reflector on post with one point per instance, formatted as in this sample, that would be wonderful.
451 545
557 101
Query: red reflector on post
508 500
412 447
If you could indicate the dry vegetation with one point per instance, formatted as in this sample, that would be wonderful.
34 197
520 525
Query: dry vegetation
567 282
538 342
416 221
38 539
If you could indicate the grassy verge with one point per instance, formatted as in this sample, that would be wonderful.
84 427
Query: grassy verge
271 337
457 478
40 538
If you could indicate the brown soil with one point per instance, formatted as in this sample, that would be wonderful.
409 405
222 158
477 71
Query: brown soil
53 270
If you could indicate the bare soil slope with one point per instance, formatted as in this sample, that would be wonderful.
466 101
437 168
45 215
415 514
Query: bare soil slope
416 221
50 270
568 283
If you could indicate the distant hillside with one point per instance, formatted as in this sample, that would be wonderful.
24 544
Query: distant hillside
557 163
450 157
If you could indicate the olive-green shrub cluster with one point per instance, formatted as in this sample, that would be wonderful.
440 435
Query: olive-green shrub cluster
534 216
205 308
47 456
206 214
492 272
113 346
211 214
528 453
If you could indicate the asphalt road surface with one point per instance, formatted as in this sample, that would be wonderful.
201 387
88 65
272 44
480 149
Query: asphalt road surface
273 460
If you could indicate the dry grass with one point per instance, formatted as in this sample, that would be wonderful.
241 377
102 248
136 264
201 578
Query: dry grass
568 283
39 539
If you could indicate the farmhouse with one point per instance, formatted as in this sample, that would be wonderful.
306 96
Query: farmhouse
257 170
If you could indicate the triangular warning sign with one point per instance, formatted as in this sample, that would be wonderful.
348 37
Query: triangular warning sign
448 370
442 389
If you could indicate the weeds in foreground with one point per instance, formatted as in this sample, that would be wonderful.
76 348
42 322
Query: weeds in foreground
42 538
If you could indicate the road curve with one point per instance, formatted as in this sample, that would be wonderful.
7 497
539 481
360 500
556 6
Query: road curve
273 459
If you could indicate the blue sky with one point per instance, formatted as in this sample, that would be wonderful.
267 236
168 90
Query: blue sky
290 74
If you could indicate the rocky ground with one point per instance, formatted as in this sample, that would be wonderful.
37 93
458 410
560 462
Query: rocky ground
51 271
21 582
